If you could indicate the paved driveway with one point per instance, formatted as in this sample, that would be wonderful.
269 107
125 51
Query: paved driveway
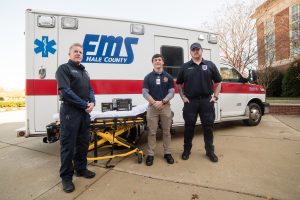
254 163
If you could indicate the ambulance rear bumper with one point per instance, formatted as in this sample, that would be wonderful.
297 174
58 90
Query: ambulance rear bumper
266 108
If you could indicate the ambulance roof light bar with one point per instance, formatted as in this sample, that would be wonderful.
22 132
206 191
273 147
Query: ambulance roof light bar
201 37
46 21
69 23
137 29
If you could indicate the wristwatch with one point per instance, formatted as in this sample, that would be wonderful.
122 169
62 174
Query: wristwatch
217 98
164 101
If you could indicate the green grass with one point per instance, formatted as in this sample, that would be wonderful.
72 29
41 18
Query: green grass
283 100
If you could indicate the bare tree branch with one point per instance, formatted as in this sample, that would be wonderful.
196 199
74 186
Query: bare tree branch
237 35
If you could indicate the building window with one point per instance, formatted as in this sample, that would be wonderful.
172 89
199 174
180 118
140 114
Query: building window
295 50
173 56
270 42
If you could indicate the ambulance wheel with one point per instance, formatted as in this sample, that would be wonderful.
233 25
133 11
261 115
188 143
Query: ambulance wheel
254 115
140 158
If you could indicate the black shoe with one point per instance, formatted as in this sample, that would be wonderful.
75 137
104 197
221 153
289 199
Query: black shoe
212 157
169 158
68 186
149 160
85 173
185 155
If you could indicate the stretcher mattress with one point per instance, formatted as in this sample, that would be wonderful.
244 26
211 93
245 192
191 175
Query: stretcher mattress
136 110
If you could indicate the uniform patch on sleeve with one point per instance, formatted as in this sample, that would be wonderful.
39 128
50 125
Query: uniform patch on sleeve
166 79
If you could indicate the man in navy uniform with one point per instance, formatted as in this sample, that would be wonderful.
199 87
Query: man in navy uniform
78 101
198 96
158 90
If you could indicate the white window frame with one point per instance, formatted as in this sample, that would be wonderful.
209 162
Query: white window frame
269 31
294 50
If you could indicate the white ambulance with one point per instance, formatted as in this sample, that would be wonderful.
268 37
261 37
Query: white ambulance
117 55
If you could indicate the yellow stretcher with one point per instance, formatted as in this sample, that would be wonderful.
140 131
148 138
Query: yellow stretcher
112 130
115 132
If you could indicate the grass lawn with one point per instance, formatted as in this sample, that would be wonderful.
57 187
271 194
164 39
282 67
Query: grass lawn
283 100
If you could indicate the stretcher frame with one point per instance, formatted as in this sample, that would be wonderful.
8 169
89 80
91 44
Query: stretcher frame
106 133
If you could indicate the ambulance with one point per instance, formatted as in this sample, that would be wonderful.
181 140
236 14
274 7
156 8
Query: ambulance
117 55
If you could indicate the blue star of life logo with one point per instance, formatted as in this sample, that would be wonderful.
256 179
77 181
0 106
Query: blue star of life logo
45 46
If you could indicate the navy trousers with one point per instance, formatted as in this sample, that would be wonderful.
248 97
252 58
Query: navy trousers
206 111
74 140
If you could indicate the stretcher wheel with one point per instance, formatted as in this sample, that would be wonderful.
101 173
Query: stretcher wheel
140 158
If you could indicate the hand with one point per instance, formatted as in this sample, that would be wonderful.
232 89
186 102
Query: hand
158 105
213 99
185 99
90 107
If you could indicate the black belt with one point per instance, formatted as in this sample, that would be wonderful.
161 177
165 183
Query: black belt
201 97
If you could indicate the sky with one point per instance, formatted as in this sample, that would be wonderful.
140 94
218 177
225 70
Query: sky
187 13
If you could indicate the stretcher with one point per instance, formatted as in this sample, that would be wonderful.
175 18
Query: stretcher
111 129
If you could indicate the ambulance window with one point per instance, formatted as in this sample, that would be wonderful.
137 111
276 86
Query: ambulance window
229 74
173 59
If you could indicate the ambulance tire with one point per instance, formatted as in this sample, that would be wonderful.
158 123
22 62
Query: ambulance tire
254 116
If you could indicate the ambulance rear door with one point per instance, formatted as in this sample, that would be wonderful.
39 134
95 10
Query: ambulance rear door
175 53
42 87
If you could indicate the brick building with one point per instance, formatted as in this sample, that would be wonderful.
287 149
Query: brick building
278 32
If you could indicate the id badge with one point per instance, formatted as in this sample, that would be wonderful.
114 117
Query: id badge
158 81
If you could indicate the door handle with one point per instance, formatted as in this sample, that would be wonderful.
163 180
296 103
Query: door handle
42 72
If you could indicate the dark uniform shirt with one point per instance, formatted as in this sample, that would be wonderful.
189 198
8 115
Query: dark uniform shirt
158 84
74 84
198 79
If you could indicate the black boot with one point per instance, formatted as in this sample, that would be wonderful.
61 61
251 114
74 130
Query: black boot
149 160
212 156
186 152
169 158
85 173
68 186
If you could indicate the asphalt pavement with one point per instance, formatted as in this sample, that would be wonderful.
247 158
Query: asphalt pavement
260 162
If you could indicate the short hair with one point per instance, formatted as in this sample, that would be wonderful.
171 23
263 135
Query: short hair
157 56
75 45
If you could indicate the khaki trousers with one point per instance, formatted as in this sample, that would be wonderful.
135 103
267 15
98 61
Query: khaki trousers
165 117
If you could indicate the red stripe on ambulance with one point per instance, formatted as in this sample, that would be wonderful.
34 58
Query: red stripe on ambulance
49 87
241 88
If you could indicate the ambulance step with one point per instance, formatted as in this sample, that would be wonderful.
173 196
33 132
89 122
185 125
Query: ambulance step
234 118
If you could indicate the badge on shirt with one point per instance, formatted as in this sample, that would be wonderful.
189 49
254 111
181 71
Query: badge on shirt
158 81
166 79
204 67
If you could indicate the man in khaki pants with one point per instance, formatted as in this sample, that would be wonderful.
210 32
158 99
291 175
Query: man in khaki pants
158 90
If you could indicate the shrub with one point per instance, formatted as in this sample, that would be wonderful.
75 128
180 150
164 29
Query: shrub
269 78
6 104
291 81
275 89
